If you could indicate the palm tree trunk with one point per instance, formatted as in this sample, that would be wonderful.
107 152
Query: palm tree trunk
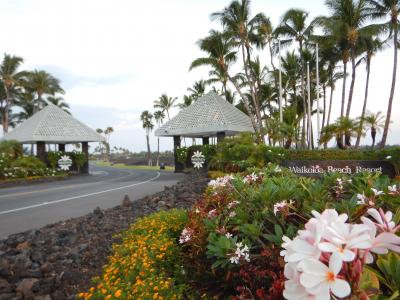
148 150
271 56
251 84
343 88
168 114
364 105
324 114
303 96
389 109
353 80
6 111
158 151
246 106
373 136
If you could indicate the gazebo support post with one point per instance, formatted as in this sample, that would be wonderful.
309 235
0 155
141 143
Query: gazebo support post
41 151
220 136
85 151
61 147
206 140
177 144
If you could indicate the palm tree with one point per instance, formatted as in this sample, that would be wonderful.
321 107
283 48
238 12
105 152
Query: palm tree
198 89
159 117
242 28
371 46
294 27
42 82
349 16
147 122
26 105
264 35
383 9
219 47
187 101
374 123
59 101
342 127
165 103
101 149
10 77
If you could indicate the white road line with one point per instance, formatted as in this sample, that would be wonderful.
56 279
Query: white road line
80 196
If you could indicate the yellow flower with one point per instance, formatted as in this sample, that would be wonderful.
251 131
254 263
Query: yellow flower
118 293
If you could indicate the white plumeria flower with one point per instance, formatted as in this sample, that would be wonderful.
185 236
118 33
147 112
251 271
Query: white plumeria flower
376 192
343 238
229 235
281 205
293 289
233 204
320 280
301 249
361 199
186 235
392 188
277 169
232 214
234 259
388 157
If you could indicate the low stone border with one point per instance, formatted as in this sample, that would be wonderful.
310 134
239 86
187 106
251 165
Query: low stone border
59 260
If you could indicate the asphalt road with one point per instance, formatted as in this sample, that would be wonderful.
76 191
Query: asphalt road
33 206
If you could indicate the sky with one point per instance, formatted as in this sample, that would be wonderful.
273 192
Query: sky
115 57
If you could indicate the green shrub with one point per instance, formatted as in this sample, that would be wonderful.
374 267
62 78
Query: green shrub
11 148
30 163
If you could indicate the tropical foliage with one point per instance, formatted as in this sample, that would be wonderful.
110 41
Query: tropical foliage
22 92
282 94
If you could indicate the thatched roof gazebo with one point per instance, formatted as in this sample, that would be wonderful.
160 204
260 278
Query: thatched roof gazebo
208 116
52 125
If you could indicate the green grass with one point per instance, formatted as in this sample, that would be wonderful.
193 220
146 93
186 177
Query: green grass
123 166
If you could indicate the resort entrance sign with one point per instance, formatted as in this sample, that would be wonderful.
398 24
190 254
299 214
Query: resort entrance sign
319 167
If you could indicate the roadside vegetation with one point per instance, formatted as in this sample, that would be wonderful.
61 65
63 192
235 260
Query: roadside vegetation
16 165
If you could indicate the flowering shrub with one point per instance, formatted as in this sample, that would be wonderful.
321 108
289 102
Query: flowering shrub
235 233
147 264
327 257
24 167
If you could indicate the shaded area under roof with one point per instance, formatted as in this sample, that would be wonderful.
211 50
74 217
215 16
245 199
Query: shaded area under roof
53 125
205 117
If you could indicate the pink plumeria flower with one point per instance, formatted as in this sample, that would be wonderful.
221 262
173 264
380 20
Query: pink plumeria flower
320 280
384 220
293 289
212 213
376 192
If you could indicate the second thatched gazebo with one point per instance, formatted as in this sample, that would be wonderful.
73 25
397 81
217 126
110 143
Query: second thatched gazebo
209 116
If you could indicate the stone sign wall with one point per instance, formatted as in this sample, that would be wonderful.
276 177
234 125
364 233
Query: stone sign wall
319 167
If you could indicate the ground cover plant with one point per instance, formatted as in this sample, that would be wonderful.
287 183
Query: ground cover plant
147 264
